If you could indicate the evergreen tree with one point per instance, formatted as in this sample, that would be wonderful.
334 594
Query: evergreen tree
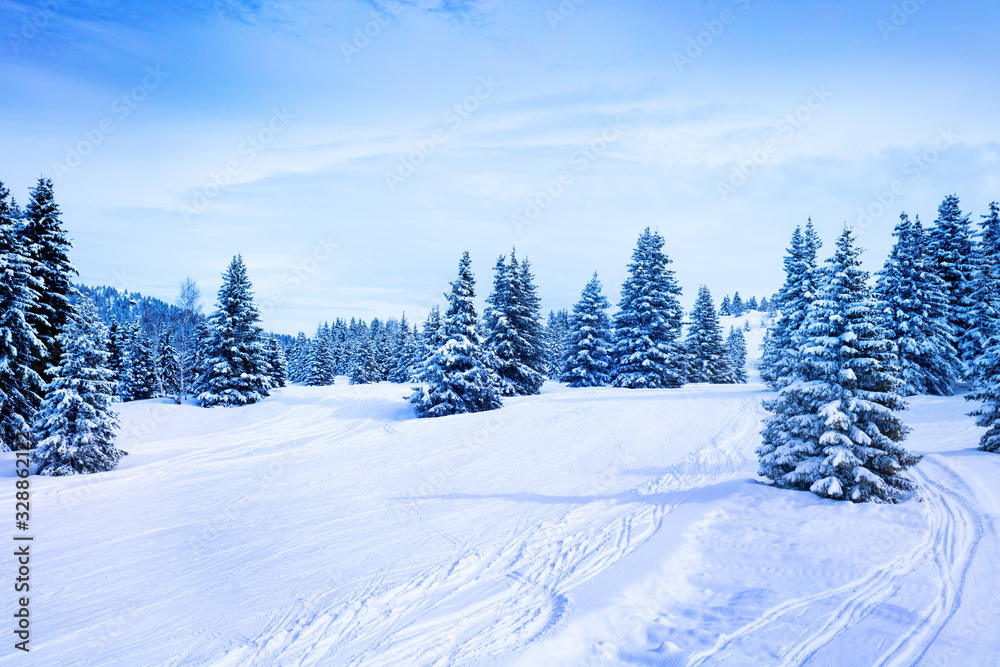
278 362
708 358
299 364
322 365
404 354
236 368
951 246
21 350
752 304
457 378
834 430
765 307
589 341
648 324
47 246
726 309
737 307
781 343
168 365
985 309
75 427
746 325
139 376
366 368
556 329
515 338
914 305
736 346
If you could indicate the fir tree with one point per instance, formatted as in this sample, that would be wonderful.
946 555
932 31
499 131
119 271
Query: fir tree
515 338
834 430
278 362
366 368
781 343
726 309
168 366
457 378
951 246
589 341
75 427
21 350
737 307
765 307
648 324
139 379
556 329
736 346
752 304
707 357
322 364
47 246
914 306
404 353
746 325
985 309
236 368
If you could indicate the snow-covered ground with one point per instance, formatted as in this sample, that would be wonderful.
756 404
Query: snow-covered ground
327 526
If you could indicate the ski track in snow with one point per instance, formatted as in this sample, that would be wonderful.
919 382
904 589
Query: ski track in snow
505 597
954 532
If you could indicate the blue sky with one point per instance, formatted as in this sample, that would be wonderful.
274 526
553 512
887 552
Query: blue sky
351 150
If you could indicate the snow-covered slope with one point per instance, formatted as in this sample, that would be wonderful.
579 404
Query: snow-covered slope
327 526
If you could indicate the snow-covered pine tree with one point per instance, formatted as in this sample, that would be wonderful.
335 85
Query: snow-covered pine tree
985 309
403 350
47 246
589 341
74 430
751 304
457 378
952 249
322 365
914 305
365 369
514 339
379 351
736 346
726 309
648 324
707 357
737 308
834 430
278 362
168 366
21 386
139 379
298 358
746 325
764 305
556 328
780 348
236 368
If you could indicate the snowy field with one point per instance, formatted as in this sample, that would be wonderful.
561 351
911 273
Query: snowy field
327 526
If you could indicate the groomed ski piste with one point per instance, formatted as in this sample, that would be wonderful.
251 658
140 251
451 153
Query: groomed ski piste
604 526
